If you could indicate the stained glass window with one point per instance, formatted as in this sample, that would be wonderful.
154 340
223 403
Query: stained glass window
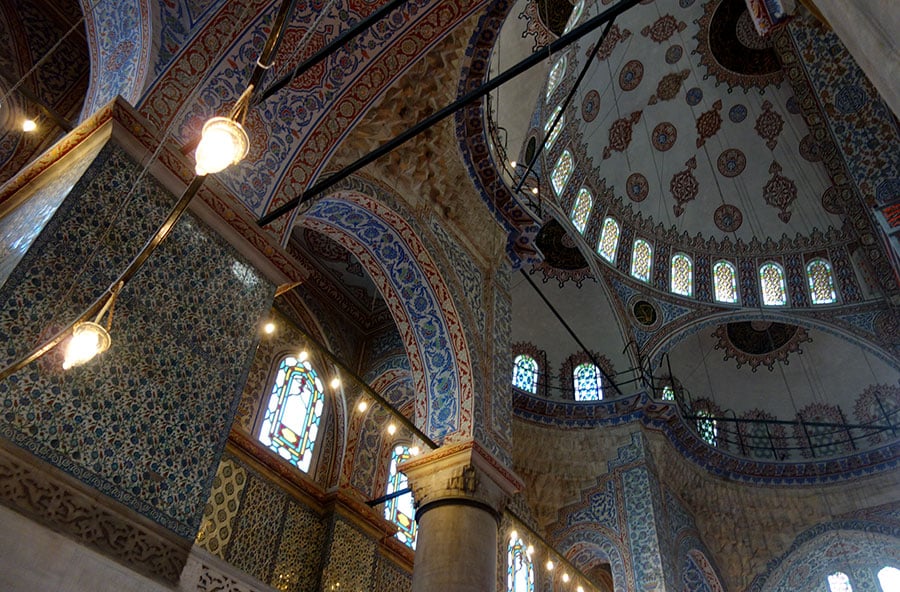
821 282
839 582
889 578
399 510
520 569
573 18
706 427
562 171
668 393
641 260
588 383
525 373
609 240
582 209
554 133
556 75
291 421
682 275
771 278
725 282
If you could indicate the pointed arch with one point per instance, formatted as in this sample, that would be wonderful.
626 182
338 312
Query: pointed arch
641 260
581 211
682 275
562 171
609 240
556 75
725 282
821 282
772 284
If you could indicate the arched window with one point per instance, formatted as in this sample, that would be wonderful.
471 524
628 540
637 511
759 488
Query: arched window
525 373
399 510
771 279
889 578
682 275
725 282
609 240
553 133
641 260
706 427
520 570
291 421
582 209
556 75
573 18
821 282
588 383
668 393
562 171
839 582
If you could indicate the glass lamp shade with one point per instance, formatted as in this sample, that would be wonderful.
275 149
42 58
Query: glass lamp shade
222 143
88 340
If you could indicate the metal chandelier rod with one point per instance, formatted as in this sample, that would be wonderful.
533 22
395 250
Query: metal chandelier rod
429 122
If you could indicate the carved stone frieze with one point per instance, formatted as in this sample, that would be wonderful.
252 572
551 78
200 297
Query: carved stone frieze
46 495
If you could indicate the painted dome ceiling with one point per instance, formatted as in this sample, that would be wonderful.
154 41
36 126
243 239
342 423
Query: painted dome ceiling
685 129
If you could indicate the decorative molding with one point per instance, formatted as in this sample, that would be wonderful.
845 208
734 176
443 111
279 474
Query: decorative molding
58 501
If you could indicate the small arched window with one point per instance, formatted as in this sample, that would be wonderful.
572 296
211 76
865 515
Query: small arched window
839 582
588 383
641 260
581 211
291 421
771 280
573 18
525 373
725 282
553 133
399 510
556 75
706 427
682 275
609 240
821 282
520 569
668 393
562 171
889 578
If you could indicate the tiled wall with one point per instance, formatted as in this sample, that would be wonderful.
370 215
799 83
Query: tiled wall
146 422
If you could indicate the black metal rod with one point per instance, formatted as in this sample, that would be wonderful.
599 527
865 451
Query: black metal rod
572 333
49 111
273 42
815 424
438 116
315 59
388 497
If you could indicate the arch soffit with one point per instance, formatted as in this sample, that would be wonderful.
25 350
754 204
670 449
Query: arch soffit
419 300
588 538
119 38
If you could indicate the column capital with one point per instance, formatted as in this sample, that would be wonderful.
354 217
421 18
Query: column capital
464 474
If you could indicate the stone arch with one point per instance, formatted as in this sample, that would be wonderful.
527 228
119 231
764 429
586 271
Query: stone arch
698 574
855 547
586 543
120 40
419 300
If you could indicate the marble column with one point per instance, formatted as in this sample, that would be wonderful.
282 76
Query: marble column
460 492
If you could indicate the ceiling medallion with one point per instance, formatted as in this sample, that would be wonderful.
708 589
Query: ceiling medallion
731 50
684 186
780 192
728 218
731 162
644 313
759 343
636 187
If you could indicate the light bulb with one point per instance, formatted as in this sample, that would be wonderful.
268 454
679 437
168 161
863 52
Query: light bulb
303 356
534 190
565 577
362 405
29 125
414 451
550 565
579 589
269 328
335 382
88 340
513 163
392 429
530 550
514 535
222 143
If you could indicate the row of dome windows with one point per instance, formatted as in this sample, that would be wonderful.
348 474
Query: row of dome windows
819 274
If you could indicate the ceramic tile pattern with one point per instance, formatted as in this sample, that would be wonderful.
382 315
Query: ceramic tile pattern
145 422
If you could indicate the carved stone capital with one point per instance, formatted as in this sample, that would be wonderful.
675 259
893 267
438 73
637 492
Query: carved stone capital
460 474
